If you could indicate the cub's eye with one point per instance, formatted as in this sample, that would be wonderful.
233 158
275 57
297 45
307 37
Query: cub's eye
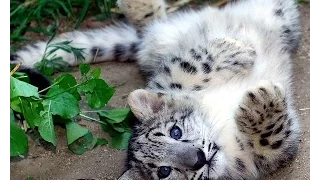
164 171
175 132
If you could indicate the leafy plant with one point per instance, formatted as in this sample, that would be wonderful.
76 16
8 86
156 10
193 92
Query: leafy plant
302 1
61 105
28 15
51 63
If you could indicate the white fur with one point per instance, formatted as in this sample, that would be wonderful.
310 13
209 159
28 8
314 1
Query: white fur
248 26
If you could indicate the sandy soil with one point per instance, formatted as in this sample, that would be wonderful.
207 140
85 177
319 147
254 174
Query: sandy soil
45 162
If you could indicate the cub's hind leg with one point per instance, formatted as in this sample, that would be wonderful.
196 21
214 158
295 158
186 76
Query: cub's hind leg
279 17
266 121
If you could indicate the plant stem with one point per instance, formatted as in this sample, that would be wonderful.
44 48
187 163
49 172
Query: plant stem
177 5
220 3
28 3
95 111
64 91
15 68
115 10
92 119
49 87
95 56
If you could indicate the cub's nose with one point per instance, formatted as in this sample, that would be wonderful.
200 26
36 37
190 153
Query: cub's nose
201 160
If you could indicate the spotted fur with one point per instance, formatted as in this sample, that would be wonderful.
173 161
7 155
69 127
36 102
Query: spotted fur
218 102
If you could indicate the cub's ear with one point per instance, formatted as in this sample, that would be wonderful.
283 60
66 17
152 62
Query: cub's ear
131 174
145 104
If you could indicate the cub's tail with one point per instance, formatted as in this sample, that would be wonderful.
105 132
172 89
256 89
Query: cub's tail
110 43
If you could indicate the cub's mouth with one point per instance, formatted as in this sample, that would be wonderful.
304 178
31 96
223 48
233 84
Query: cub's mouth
212 162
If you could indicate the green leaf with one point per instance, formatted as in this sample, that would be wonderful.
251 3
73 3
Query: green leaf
59 120
119 127
302 1
44 69
20 88
117 121
15 104
110 130
18 139
85 8
83 144
46 127
115 115
96 73
65 82
84 68
31 111
12 66
64 105
50 66
99 96
113 129
65 46
75 131
87 86
121 142
21 76
101 142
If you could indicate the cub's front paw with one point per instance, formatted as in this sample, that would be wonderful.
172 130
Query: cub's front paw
263 107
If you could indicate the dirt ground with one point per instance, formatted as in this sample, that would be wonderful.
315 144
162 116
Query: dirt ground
104 163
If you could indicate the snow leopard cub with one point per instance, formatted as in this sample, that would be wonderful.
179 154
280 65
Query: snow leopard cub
218 104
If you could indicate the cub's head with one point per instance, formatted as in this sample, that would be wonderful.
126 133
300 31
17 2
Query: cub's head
173 139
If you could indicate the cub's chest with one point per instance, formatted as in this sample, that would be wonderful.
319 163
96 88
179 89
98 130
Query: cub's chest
204 66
